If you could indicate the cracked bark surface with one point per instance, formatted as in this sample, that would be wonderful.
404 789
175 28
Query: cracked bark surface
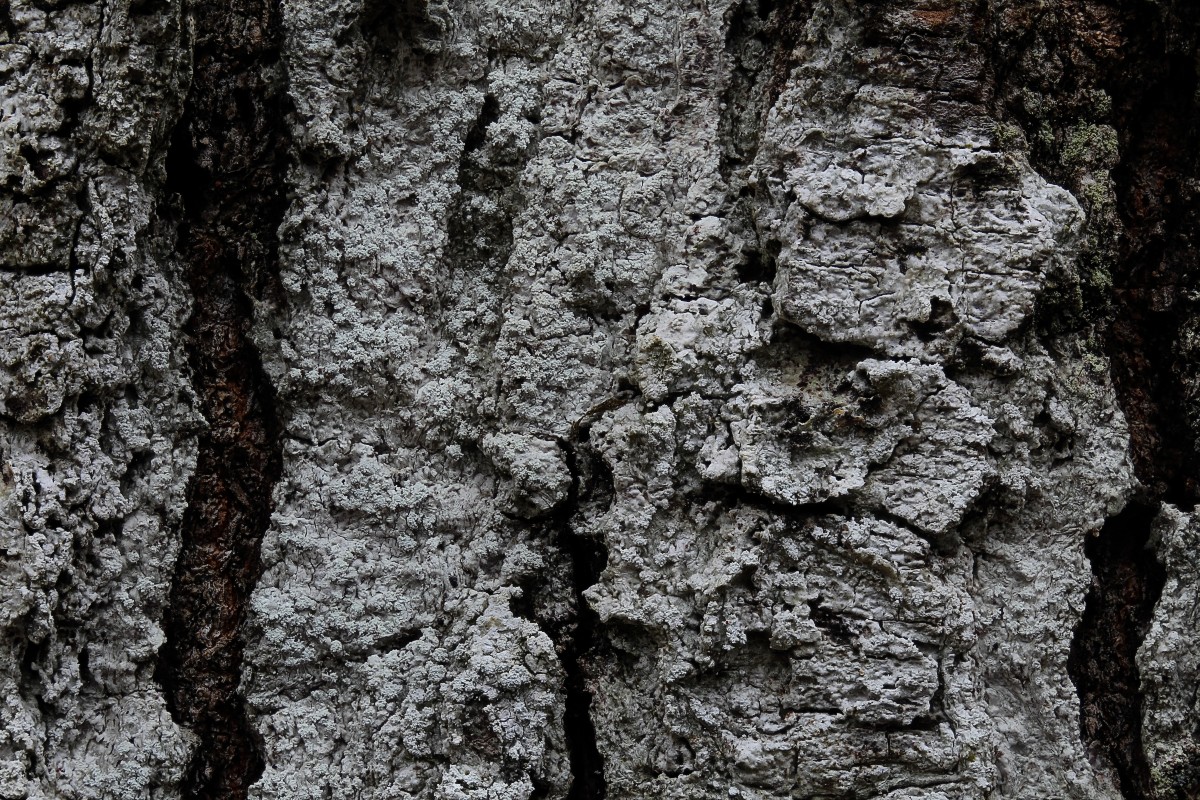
1126 584
227 165
1108 120
506 400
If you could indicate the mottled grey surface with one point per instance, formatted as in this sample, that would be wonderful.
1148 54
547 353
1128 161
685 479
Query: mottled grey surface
752 316
1169 660
96 426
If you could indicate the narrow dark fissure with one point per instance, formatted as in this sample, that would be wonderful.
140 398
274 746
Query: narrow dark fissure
748 48
587 765
556 603
1106 93
1127 581
480 224
226 164
480 234
759 51
584 639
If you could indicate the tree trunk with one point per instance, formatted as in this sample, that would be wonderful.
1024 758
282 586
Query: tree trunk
512 400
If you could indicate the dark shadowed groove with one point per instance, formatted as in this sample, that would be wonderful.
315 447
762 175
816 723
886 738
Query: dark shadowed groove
1138 293
1154 298
226 163
759 53
1126 583
748 51
576 630
1156 280
480 224
587 764
1155 116
584 639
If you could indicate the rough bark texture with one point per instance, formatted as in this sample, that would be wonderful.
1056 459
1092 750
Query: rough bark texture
522 399
227 164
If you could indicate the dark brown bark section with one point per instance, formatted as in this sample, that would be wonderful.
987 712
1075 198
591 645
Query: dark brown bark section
1156 280
226 163
1068 65
1064 69
1151 341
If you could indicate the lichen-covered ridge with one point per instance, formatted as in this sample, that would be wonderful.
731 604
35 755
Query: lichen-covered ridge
522 399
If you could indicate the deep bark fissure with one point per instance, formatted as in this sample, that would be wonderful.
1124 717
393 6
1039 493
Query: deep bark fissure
1130 66
759 50
226 163
1127 581
748 50
587 764
1155 282
480 234
578 636
1156 120
583 639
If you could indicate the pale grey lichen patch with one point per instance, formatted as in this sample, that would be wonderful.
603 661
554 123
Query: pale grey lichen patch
768 670
941 466
400 543
699 345
840 488
830 485
895 436
96 431
538 478
1059 479
486 689
898 233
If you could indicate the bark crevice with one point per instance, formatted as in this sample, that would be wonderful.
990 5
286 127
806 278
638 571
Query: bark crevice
1154 290
1106 95
1127 581
584 638
555 602
587 764
226 165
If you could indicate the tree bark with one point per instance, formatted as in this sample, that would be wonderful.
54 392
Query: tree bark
514 400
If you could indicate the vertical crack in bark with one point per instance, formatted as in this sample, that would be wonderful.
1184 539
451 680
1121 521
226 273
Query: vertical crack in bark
584 638
556 603
1131 66
1127 581
759 51
587 765
1153 286
226 162
748 50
